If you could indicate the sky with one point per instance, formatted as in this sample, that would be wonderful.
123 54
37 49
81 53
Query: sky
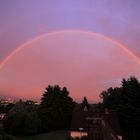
23 21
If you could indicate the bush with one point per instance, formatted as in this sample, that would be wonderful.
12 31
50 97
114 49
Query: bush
22 119
32 123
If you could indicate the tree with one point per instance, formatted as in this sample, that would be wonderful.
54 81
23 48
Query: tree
111 98
85 104
126 101
130 106
56 108
22 119
32 123
14 120
6 108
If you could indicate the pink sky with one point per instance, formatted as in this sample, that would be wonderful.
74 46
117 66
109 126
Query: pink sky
83 62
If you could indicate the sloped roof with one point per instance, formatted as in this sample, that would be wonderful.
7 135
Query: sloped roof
113 121
79 119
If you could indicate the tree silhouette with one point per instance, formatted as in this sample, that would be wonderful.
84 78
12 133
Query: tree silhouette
32 124
126 101
111 97
85 104
22 119
56 108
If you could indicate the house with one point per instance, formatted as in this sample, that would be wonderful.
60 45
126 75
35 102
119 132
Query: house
111 124
95 125
79 125
79 122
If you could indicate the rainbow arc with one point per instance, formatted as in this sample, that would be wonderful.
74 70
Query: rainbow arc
124 48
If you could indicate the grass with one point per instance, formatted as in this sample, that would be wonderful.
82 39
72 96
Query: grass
55 135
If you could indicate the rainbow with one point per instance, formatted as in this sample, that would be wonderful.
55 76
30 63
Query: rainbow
130 53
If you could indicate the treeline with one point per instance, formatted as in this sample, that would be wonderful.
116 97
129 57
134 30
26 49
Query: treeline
126 101
54 112
5 108
56 107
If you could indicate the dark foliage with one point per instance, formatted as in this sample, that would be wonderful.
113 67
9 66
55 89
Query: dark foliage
126 101
6 108
56 108
54 112
4 136
32 124
22 119
85 104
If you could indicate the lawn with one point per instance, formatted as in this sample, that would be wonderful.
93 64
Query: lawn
55 135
